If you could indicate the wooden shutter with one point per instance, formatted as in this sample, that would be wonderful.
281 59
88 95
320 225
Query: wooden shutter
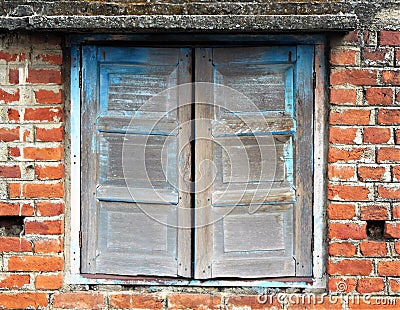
118 237
263 218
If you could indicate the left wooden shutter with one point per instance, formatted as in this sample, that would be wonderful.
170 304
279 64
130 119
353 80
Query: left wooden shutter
119 236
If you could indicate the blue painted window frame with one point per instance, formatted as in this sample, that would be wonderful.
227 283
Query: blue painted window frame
320 111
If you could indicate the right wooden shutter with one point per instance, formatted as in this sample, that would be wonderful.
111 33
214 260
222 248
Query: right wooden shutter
262 213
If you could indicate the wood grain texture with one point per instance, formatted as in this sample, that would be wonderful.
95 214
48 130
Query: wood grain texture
304 160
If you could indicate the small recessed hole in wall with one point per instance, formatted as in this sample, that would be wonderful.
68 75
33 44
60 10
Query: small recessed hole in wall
11 226
375 229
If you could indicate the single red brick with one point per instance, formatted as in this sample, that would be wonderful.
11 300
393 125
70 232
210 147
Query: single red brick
373 248
337 154
7 97
47 227
45 153
376 135
35 263
396 212
352 37
343 57
338 211
391 38
389 268
378 56
10 171
47 208
348 192
137 301
340 285
44 76
347 231
13 76
394 285
391 77
368 173
354 77
396 173
370 285
392 230
343 96
4 55
397 247
49 246
397 136
48 96
379 96
354 267
389 192
9 134
389 116
194 301
50 59
350 117
342 249
32 190
340 172
15 244
23 300
80 300
341 135
14 281
48 282
13 115
44 114
50 134
14 190
14 151
388 154
10 209
45 172
374 213
258 302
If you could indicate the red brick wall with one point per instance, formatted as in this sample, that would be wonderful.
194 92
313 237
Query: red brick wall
363 172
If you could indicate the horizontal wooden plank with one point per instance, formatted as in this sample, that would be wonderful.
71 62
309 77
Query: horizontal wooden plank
144 195
246 197
254 268
254 55
138 55
230 125
145 124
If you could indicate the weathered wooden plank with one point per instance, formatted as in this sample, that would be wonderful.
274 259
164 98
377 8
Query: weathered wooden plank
250 159
203 169
145 124
257 87
255 268
89 159
249 124
304 159
253 196
254 241
128 89
265 54
138 55
136 194
133 242
185 178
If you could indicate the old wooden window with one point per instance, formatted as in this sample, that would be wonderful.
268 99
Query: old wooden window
180 238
